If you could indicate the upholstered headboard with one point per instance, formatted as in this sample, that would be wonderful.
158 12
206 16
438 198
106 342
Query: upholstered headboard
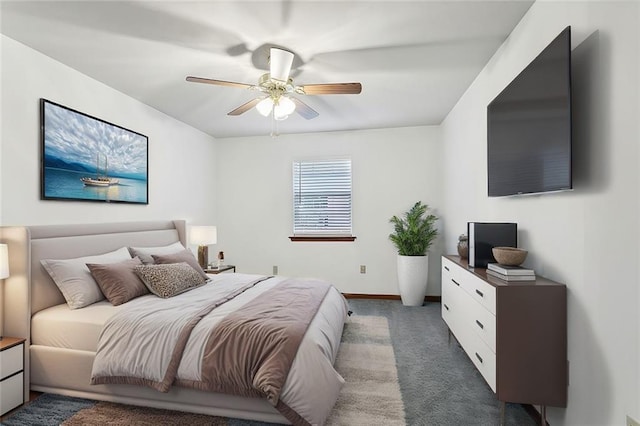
70 241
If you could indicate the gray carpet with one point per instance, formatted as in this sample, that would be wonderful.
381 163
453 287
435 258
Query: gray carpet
438 381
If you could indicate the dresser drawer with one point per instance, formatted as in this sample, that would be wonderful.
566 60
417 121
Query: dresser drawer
448 305
11 361
481 291
454 306
483 324
483 358
447 269
11 393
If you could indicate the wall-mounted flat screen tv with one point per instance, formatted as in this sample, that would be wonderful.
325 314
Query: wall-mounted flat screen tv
529 126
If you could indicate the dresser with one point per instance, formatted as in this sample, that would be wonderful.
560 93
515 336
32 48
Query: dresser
11 374
515 333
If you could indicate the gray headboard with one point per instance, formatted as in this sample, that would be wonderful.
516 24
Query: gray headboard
69 241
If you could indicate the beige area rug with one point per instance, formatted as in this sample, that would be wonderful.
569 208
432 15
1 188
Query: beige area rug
370 396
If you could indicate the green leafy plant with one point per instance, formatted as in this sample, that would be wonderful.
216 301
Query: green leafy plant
415 231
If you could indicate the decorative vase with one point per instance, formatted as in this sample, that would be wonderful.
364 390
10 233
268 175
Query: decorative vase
463 246
413 272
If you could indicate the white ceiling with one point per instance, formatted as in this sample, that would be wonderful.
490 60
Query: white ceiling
414 59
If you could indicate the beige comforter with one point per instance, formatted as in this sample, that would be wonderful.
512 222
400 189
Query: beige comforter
186 341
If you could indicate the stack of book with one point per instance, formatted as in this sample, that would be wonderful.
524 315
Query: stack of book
510 273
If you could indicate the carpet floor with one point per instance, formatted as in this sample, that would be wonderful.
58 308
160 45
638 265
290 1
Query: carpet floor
438 383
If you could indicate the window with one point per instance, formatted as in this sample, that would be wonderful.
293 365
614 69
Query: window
322 200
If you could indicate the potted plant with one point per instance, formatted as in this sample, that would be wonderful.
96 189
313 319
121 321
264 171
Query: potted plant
413 234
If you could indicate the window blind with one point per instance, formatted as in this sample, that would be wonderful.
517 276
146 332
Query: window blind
322 197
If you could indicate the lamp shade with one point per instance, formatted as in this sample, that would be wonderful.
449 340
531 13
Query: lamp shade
4 261
283 108
203 235
264 106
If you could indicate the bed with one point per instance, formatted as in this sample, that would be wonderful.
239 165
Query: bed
62 342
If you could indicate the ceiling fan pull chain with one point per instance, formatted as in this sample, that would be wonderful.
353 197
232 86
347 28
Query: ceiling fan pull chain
274 125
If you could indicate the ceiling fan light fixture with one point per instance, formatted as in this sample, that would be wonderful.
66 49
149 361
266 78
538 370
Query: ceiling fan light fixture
285 106
280 64
265 106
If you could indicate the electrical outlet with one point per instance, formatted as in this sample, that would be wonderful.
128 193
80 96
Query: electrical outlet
363 269
631 422
275 269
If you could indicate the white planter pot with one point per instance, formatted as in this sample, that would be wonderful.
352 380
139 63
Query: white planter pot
413 272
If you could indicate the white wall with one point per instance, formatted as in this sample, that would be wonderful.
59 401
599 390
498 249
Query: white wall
181 159
392 169
587 238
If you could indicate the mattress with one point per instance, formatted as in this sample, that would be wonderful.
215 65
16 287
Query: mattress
61 327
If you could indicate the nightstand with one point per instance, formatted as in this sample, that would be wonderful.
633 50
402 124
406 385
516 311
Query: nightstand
222 268
11 373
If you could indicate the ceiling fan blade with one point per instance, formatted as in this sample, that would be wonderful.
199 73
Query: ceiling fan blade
245 107
304 110
280 62
219 82
332 89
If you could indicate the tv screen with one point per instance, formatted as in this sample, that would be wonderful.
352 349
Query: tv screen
529 126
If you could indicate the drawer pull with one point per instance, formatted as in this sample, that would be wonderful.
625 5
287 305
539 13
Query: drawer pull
454 281
479 293
446 307
480 324
479 358
446 268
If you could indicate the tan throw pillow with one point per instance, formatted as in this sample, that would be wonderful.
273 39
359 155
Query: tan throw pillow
170 279
182 256
118 281
144 253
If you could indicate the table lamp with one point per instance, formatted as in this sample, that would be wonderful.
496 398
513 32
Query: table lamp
203 236
4 273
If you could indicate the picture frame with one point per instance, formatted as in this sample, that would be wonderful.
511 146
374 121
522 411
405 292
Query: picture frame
85 158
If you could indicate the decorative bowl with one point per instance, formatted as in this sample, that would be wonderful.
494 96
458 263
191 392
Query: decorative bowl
509 255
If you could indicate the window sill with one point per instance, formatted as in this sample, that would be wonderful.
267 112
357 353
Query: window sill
322 238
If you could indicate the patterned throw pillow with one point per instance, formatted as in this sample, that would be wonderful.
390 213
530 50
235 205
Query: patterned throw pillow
181 256
170 279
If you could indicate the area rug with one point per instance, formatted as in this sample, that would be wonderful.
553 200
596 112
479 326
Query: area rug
371 394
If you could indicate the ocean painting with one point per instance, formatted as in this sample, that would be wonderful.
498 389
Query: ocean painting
88 159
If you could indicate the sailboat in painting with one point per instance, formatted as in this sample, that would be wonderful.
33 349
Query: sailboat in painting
100 180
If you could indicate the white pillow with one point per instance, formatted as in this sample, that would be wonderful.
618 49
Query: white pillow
145 253
73 278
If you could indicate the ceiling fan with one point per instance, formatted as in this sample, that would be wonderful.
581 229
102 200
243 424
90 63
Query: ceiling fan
276 88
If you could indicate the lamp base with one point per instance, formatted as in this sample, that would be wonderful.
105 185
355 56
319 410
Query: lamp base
203 256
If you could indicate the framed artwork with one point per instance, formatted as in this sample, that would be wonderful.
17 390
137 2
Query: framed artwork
85 158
